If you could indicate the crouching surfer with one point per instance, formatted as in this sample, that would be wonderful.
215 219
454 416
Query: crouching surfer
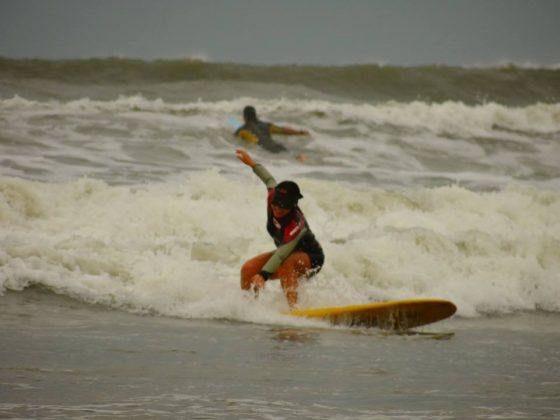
298 254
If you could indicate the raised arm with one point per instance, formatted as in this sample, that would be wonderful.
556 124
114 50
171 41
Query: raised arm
258 169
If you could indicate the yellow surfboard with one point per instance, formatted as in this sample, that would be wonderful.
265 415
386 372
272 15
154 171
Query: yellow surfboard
390 315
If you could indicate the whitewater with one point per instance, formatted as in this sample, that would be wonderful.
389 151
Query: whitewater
140 204
125 218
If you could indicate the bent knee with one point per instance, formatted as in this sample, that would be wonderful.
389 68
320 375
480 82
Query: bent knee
250 268
297 264
246 270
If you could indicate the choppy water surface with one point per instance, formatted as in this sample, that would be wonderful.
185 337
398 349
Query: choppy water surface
119 187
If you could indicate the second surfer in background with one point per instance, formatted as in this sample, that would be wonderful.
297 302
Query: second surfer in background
297 254
259 132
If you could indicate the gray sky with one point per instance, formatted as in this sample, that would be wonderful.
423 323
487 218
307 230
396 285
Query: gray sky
396 32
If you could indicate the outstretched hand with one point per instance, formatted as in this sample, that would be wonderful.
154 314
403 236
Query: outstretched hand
245 157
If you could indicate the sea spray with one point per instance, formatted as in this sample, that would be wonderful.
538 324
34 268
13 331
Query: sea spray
176 248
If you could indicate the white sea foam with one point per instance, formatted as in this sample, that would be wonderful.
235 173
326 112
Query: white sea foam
143 206
176 248
133 139
447 117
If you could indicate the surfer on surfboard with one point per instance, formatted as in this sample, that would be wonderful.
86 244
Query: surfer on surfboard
259 132
298 254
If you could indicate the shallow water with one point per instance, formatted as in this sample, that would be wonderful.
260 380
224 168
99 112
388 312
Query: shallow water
61 358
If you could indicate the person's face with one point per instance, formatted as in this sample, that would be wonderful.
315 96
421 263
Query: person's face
279 212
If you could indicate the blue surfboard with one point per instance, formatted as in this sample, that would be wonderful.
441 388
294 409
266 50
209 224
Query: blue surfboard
234 123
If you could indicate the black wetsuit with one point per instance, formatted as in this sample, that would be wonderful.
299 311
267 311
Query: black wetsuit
290 233
289 227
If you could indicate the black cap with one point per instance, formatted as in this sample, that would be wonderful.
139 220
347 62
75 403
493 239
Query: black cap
286 195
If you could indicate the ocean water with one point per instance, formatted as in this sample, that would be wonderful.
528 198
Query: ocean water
124 215
62 359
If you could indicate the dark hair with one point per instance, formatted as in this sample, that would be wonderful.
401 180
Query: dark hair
250 113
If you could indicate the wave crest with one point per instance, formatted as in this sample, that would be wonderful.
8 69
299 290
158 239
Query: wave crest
509 85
